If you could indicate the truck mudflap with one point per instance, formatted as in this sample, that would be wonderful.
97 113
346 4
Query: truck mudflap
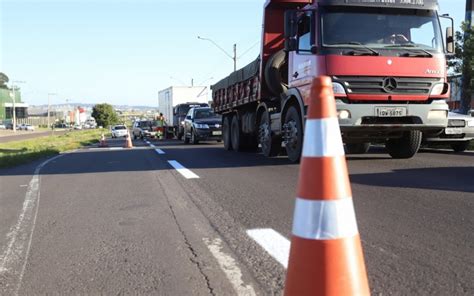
392 117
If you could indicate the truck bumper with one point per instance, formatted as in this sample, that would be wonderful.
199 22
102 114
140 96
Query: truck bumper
363 121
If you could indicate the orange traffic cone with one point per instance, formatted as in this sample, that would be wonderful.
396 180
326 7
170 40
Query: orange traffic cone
128 141
326 254
103 142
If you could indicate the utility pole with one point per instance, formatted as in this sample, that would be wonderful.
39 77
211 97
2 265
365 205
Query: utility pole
13 97
235 57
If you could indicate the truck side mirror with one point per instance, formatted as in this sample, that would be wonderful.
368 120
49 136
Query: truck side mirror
449 40
291 27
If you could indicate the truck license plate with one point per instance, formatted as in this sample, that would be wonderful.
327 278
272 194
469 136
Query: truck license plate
390 111
217 133
453 131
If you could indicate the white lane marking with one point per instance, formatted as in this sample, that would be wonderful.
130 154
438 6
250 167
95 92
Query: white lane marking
115 148
229 267
152 146
182 170
274 243
18 234
159 151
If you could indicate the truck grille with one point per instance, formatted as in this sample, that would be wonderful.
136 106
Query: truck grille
386 85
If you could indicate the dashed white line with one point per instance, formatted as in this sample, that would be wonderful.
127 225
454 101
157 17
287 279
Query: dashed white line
152 146
182 170
159 151
115 148
274 243
229 267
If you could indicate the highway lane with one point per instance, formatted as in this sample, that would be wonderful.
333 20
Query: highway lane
415 216
110 221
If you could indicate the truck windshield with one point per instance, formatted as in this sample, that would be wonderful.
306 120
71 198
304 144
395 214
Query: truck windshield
381 28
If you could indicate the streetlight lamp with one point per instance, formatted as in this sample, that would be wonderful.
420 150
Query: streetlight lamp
234 57
12 96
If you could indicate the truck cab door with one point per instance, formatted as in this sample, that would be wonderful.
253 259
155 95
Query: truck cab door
303 60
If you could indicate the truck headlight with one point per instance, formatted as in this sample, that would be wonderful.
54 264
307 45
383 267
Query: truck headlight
470 123
343 114
201 126
438 89
437 114
338 89
182 122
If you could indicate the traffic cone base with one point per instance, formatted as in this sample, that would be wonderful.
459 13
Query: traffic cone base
328 267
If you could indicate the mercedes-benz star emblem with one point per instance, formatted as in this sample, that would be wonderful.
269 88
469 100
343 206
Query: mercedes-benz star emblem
389 84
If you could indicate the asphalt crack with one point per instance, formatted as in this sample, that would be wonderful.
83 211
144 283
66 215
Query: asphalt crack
194 256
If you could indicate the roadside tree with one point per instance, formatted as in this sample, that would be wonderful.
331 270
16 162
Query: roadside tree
104 115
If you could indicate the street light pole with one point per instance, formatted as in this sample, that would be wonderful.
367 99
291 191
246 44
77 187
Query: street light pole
49 107
233 57
13 97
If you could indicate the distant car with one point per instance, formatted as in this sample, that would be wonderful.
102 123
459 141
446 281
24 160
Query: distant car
28 127
143 129
119 131
458 134
2 126
202 124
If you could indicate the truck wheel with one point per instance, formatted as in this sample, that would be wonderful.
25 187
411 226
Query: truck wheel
406 146
276 73
270 145
357 148
293 134
226 133
236 134
460 147
194 140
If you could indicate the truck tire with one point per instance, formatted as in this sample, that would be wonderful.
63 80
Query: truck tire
276 73
357 148
295 138
460 147
237 138
406 146
271 146
226 133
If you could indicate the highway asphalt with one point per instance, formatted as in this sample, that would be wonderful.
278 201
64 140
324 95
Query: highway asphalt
126 221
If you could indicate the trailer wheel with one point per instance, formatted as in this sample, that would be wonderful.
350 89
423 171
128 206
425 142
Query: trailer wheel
226 132
357 148
270 145
276 73
293 130
406 146
236 134
460 147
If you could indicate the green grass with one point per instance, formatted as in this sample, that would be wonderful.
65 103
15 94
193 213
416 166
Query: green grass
19 152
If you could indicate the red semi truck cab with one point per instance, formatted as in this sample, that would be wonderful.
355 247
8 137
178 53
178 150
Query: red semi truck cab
387 61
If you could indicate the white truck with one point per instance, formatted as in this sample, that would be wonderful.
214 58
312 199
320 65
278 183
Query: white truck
172 96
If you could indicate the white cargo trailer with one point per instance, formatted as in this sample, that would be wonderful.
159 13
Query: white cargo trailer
174 95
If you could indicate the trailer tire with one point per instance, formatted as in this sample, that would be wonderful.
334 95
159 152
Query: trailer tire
294 147
271 146
357 148
406 146
276 73
460 147
226 133
237 138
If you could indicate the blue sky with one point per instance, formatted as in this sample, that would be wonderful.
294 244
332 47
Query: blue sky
123 52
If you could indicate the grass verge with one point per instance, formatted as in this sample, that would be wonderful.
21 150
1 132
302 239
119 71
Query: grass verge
19 152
